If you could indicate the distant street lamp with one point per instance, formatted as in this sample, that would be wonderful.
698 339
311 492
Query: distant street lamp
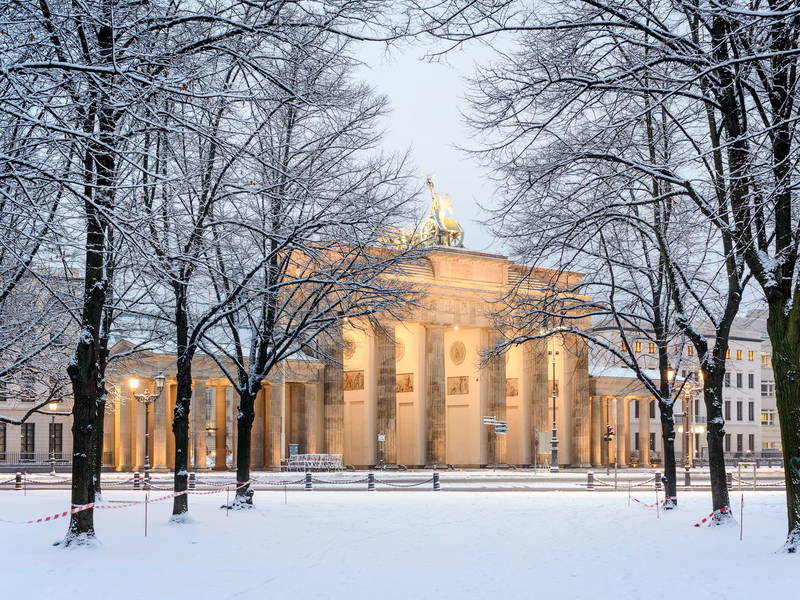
554 435
53 406
688 429
147 398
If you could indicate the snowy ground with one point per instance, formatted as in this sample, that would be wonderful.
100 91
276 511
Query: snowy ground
401 545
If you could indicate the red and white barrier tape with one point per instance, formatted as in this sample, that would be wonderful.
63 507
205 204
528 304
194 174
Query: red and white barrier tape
659 503
721 511
82 507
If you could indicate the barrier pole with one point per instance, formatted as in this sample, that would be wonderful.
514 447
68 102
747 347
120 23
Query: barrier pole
658 484
741 517
227 499
146 498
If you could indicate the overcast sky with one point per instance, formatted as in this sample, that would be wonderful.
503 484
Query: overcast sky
427 102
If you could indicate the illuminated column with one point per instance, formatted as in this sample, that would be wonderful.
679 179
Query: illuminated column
620 439
119 459
221 432
386 389
576 357
257 435
159 456
275 425
170 393
597 434
495 389
626 431
605 421
534 366
644 431
333 393
435 414
312 409
199 433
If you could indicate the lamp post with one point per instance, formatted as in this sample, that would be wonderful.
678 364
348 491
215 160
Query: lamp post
147 398
554 436
688 429
53 406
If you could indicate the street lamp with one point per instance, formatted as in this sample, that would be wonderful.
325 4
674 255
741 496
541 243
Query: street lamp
147 398
53 406
554 435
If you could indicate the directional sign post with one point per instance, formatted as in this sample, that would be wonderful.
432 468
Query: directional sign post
489 420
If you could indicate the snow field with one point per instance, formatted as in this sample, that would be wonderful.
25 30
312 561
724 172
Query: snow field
400 545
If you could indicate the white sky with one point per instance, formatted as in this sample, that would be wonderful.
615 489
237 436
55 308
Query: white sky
428 102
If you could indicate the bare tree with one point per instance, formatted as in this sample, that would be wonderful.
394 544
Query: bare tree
316 211
583 78
87 75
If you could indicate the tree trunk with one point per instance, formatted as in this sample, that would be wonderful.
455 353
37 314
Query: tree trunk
784 333
87 384
712 396
99 430
668 438
183 401
244 424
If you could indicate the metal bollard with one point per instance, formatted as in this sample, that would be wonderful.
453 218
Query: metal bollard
687 477
146 481
308 482
371 482
436 482
590 481
18 481
658 480
729 479
136 481
192 480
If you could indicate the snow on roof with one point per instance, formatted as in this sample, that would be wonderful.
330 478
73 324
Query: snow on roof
619 372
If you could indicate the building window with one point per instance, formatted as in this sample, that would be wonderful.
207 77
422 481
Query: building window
751 355
56 440
751 442
727 380
637 346
767 417
728 353
623 346
767 389
636 440
652 409
27 441
651 348
751 380
766 361
727 410
739 412
690 351
739 442
727 442
738 380
751 411
738 355
636 409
